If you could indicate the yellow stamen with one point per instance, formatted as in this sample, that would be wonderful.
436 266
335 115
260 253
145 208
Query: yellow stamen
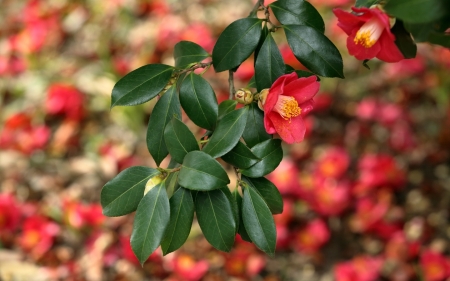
287 107
369 33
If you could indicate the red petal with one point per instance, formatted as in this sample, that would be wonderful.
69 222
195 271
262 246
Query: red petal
347 21
289 130
302 89
384 19
307 106
389 52
268 125
359 51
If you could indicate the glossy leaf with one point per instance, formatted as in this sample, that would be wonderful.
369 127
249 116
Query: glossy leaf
186 53
201 172
268 191
150 222
270 153
241 228
251 83
228 132
365 3
165 109
416 11
264 33
179 140
254 131
236 43
199 101
300 73
403 40
233 204
215 217
172 183
141 85
297 12
258 221
181 216
314 50
121 195
269 64
240 156
226 107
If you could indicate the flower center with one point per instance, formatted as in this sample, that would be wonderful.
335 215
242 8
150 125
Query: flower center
369 33
287 107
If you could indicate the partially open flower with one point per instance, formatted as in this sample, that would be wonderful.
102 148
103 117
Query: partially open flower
285 104
244 96
369 34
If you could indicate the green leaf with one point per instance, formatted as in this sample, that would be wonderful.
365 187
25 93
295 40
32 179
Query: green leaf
441 39
121 195
241 229
264 33
186 53
228 132
240 156
201 172
314 50
199 101
215 217
403 40
269 64
258 221
300 73
181 216
366 3
172 183
254 131
233 204
141 85
297 12
150 222
270 153
252 82
226 107
268 191
179 140
236 43
165 109
416 11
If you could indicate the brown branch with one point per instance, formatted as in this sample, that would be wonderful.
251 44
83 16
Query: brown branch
231 84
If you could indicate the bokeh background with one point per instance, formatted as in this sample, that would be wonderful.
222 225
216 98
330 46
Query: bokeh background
367 194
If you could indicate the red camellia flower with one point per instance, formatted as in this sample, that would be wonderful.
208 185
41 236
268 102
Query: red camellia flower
65 100
369 34
285 104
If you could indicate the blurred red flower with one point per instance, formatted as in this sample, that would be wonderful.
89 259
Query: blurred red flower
435 266
330 197
9 213
361 268
38 235
285 177
369 34
311 237
79 215
244 261
187 268
333 163
286 103
65 100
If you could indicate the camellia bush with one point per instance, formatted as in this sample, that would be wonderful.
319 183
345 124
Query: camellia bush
245 132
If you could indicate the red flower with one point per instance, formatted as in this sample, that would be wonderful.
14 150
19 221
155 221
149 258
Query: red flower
369 34
435 266
38 235
285 104
311 237
65 100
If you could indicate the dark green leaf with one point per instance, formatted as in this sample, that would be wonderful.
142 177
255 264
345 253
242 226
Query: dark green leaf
416 11
270 153
298 12
201 172
258 221
240 156
141 85
172 183
186 53
441 39
215 217
241 229
121 195
199 101
233 204
255 132
228 132
226 107
252 82
300 73
269 64
404 41
314 50
364 63
264 33
179 140
365 3
150 222
236 43
181 216
268 191
165 109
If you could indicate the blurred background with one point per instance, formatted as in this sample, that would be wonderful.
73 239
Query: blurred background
366 195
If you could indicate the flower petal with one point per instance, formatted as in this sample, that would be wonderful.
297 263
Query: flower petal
389 51
290 131
268 125
360 52
307 106
302 89
347 21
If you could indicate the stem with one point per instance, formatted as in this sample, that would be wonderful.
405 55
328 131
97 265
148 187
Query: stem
231 84
255 9
195 66
203 141
168 171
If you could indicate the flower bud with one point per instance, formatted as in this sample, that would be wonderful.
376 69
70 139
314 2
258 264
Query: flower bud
151 183
262 98
244 96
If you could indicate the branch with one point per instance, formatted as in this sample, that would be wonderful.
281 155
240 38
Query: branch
255 9
231 84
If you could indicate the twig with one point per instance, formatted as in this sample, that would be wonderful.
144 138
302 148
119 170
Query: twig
231 84
255 9
195 66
